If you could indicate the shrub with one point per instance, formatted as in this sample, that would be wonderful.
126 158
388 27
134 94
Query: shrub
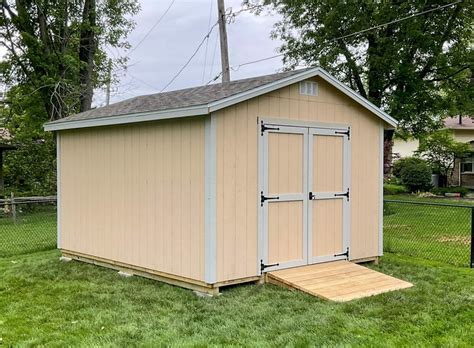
440 191
392 180
394 189
414 173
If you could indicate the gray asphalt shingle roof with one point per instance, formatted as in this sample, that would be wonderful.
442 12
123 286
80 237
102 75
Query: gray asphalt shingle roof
180 98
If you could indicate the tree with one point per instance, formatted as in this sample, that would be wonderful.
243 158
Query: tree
55 50
55 59
440 150
411 68
414 173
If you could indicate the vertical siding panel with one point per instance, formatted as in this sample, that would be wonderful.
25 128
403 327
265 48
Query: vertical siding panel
168 198
252 189
159 201
123 190
241 189
229 193
220 162
186 201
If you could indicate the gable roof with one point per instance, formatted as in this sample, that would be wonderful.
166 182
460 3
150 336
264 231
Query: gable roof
200 101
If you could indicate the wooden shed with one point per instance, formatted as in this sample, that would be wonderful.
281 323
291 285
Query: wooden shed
216 185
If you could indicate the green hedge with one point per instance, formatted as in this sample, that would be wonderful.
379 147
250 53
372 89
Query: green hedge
414 173
393 189
440 191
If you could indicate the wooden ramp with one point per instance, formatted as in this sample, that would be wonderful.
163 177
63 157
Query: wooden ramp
337 281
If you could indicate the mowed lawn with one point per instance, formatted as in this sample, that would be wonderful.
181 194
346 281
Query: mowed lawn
45 302
441 233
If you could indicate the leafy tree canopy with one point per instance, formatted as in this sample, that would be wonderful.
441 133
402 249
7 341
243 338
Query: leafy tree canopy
56 57
56 51
416 69
440 150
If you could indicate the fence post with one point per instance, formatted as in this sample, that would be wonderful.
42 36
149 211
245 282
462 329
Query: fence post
472 238
13 207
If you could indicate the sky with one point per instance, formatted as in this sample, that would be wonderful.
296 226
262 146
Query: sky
167 48
160 56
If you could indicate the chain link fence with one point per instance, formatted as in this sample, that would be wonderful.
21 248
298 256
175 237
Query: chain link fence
434 231
27 224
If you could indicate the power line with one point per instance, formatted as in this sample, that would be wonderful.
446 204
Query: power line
213 56
397 20
190 58
153 27
207 42
237 67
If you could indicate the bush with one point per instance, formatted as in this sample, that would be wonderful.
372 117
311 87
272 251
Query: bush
392 180
440 191
394 189
414 173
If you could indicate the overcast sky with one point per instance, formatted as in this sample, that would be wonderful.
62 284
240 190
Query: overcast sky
158 58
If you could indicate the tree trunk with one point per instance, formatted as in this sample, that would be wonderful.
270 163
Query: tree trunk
86 54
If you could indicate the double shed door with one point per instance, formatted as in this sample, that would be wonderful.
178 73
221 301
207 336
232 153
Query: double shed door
304 197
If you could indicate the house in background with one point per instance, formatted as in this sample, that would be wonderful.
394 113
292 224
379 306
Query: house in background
463 131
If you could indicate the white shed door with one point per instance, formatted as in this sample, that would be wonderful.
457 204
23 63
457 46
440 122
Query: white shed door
304 189
329 195
283 197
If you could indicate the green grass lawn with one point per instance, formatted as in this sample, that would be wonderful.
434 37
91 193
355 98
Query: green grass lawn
441 233
33 231
44 302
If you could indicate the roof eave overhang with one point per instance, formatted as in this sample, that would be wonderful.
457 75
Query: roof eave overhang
200 110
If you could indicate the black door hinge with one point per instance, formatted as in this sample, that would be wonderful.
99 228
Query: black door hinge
343 194
311 196
348 133
346 254
264 127
264 198
263 266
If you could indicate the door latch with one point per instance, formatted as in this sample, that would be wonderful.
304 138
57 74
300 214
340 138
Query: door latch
264 198
311 196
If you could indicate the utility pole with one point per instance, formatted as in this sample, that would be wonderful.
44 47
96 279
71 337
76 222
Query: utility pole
109 78
223 41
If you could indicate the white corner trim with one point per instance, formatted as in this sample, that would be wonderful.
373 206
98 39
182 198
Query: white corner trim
128 118
210 207
58 189
381 164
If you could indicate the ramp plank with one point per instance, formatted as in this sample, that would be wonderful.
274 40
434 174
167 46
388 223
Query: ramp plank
337 281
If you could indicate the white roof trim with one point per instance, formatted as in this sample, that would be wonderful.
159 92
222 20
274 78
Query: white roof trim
220 104
129 118
297 78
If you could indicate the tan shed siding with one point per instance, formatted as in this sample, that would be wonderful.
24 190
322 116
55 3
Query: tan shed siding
135 194
237 171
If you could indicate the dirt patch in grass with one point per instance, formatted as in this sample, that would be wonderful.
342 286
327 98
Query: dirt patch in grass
463 240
